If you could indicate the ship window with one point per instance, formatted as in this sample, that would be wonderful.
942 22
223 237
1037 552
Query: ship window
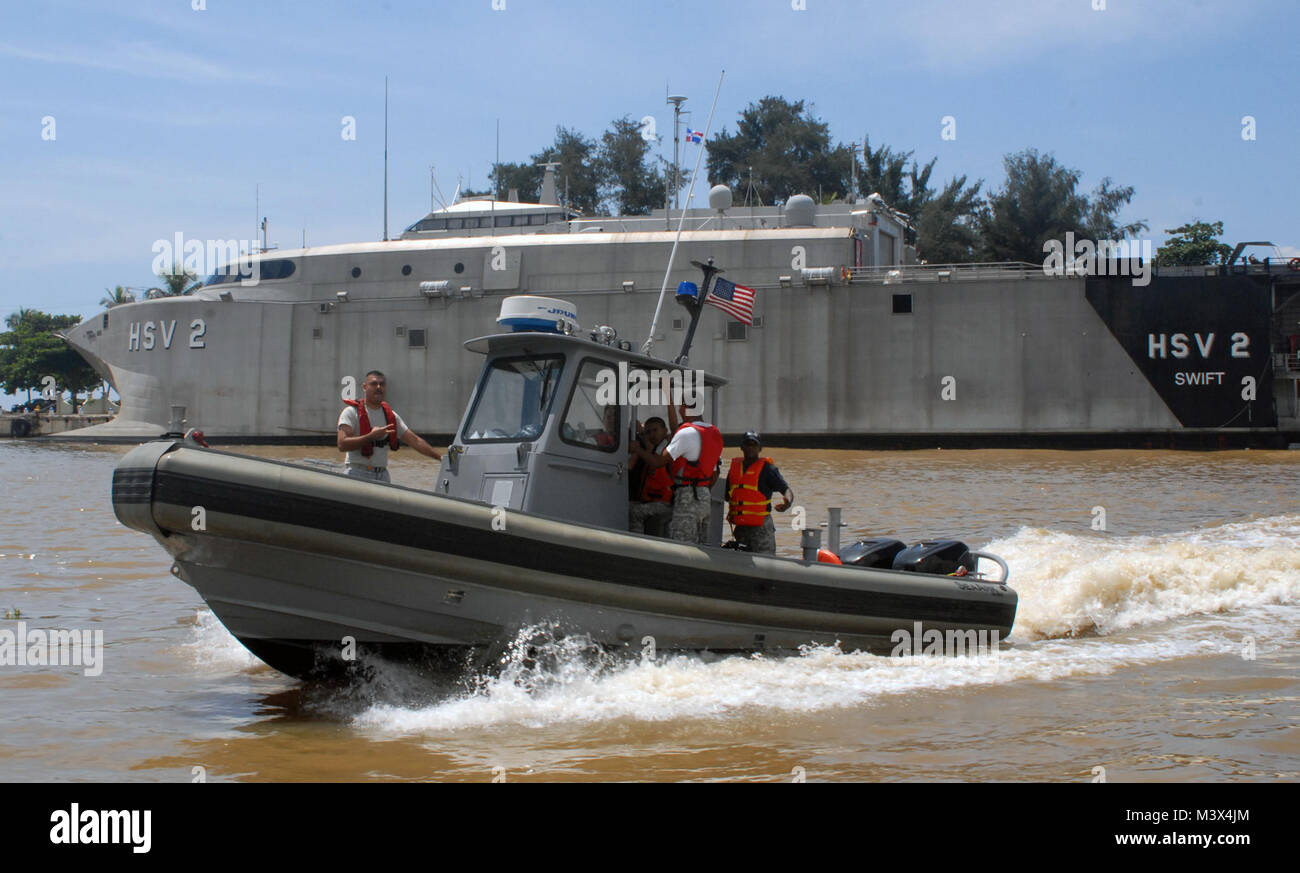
277 269
513 399
432 224
587 421
737 330
317 332
104 324
503 221
415 338
406 269
758 321
555 216
459 268
537 218
231 273
902 304
678 324
455 223
401 331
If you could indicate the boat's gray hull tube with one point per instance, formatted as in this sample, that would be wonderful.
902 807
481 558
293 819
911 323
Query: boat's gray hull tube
294 560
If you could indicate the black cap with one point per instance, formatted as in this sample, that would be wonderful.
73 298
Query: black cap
751 436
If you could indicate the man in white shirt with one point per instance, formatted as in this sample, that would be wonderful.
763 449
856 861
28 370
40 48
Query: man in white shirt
692 456
368 429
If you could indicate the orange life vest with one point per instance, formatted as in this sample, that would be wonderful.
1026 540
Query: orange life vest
748 507
699 472
363 425
657 486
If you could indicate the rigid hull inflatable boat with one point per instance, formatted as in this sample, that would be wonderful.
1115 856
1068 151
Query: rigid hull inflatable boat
526 524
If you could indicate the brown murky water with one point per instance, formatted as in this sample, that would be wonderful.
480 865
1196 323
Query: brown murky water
1160 648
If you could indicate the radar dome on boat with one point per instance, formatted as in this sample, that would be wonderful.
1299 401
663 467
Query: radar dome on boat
545 314
720 198
799 211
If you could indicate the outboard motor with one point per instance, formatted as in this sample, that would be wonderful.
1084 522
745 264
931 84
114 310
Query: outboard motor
940 557
872 553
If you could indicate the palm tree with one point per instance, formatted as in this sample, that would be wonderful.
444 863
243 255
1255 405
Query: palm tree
116 297
179 281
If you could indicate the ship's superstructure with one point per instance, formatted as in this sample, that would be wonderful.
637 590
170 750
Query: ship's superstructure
851 337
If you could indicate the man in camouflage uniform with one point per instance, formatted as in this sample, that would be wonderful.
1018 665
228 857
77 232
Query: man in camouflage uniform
689 450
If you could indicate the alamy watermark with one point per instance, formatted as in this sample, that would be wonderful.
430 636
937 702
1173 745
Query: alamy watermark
57 647
947 643
1106 257
638 387
233 257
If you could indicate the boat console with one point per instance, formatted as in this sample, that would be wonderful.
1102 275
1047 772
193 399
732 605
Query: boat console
549 427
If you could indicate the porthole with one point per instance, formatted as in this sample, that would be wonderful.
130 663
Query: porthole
406 269
356 271
459 268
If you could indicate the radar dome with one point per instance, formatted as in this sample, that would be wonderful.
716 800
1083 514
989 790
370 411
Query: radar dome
799 211
720 197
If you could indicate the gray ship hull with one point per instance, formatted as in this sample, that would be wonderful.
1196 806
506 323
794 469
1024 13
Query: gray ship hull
293 561
848 356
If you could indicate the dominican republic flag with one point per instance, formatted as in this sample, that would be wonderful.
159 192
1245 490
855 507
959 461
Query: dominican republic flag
735 300
694 135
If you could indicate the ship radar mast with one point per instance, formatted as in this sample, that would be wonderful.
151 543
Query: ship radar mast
548 195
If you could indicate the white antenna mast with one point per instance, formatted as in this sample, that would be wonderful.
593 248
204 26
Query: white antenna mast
385 159
681 221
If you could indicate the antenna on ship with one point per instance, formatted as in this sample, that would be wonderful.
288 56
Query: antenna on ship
677 100
385 159
681 222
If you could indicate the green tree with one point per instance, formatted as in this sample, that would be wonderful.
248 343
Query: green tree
629 184
1039 201
947 231
177 281
1194 244
116 297
578 177
885 172
31 349
524 178
783 149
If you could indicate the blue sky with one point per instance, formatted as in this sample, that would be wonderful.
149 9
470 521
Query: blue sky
167 117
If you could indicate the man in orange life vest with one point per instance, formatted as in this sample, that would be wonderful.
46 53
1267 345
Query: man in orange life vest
750 484
692 457
654 497
369 428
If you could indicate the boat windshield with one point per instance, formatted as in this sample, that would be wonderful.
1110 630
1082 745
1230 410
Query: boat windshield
513 399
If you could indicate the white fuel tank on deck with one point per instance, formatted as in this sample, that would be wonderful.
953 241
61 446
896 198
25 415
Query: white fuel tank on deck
545 314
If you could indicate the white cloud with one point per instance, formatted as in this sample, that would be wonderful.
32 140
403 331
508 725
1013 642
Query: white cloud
138 58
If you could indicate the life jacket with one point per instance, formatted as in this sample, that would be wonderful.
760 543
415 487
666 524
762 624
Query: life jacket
656 486
701 471
747 505
363 425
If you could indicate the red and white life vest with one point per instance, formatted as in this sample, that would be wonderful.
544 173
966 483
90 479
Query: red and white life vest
363 425
701 471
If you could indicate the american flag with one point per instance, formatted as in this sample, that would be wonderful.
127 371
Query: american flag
735 300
